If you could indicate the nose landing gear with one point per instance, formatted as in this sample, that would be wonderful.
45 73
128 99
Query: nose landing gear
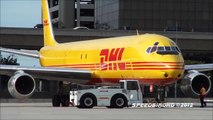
160 94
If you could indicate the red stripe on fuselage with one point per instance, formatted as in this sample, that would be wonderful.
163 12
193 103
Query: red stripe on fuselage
129 66
157 62
148 81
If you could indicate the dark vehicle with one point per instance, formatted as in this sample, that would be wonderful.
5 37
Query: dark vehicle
38 26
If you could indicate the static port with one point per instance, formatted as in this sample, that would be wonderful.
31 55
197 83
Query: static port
166 75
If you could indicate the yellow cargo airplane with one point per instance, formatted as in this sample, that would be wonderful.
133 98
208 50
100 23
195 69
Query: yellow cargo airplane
152 59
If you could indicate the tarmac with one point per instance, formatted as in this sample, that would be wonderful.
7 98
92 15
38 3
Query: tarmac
45 111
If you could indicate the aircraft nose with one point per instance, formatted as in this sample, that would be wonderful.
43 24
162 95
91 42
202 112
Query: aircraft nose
174 70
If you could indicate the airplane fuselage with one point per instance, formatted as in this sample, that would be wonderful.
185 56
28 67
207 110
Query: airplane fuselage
150 58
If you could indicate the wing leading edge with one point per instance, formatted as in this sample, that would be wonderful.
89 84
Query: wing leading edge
28 53
200 67
49 73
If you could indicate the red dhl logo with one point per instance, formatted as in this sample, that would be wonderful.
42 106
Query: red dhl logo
45 23
108 58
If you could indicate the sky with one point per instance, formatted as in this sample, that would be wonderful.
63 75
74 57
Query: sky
22 60
20 13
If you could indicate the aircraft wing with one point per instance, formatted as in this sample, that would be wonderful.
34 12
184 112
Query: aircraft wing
29 53
49 73
200 67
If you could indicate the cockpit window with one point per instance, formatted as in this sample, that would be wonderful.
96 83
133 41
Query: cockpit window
148 50
163 49
168 48
154 49
173 48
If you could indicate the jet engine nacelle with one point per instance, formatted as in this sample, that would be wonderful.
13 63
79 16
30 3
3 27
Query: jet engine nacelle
21 85
192 82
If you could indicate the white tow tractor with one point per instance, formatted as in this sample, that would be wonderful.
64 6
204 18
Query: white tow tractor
125 95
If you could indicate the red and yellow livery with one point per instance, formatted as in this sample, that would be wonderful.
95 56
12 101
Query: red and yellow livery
149 58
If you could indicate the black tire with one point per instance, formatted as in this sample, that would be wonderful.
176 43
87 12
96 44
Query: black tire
56 100
119 101
87 101
79 106
65 100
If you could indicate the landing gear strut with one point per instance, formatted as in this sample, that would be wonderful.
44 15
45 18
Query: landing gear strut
160 94
61 98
